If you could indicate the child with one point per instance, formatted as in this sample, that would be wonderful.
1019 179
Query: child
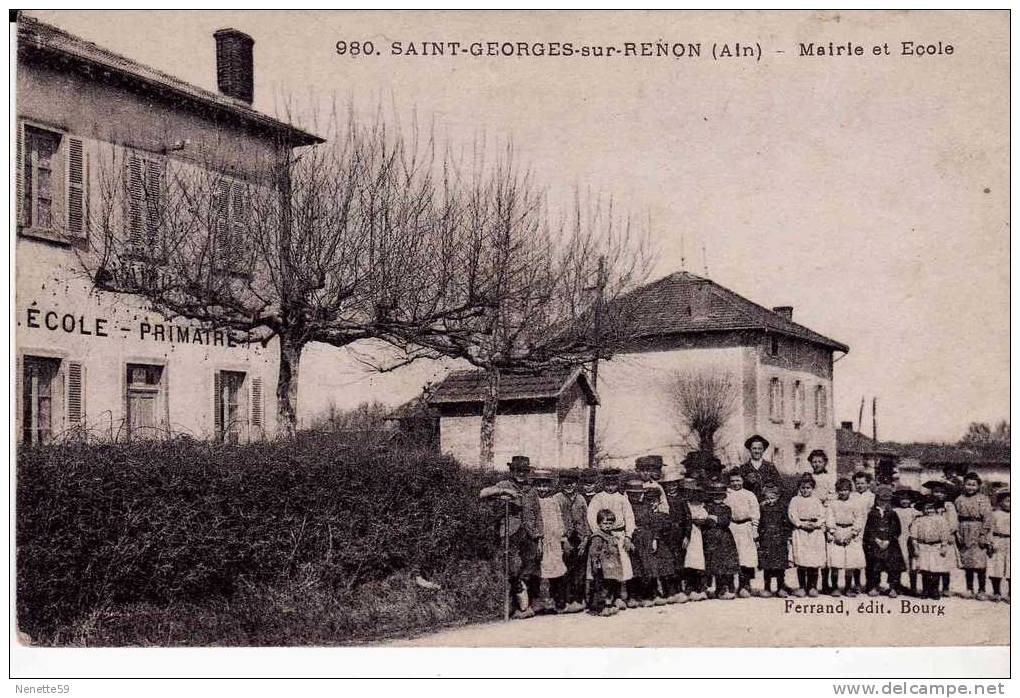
745 514
974 515
929 535
944 492
575 515
611 498
642 554
605 567
552 568
862 495
694 560
589 484
998 547
679 533
721 560
825 492
666 548
808 518
906 512
773 540
881 544
844 531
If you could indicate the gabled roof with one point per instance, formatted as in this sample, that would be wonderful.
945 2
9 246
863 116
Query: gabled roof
684 303
38 37
850 441
469 386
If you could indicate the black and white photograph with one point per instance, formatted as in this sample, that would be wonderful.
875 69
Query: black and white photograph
512 329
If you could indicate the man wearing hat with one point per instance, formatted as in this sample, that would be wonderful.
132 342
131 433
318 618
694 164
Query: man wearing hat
651 468
575 515
757 471
522 530
623 528
881 544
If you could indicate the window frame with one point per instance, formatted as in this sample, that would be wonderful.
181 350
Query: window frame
150 249
60 187
161 390
777 407
233 256
821 406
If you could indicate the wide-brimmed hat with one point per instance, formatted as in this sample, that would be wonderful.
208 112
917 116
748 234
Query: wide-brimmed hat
883 492
607 473
912 495
949 488
650 463
1000 495
818 452
520 464
924 500
588 476
672 473
632 482
756 437
569 475
543 475
716 487
652 491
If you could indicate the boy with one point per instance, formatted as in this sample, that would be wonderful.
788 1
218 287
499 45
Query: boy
679 532
929 534
745 513
642 554
666 548
589 485
881 544
612 499
998 547
844 531
552 567
694 558
650 467
773 541
605 568
974 515
904 500
575 515
862 495
524 531
721 560
808 542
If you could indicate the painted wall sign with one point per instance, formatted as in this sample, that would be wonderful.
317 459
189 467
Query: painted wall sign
69 323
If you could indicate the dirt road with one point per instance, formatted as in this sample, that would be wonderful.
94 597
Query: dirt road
861 621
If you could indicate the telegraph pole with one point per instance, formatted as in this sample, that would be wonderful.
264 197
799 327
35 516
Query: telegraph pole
600 290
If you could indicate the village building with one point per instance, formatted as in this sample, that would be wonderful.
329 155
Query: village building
543 416
102 364
856 451
683 325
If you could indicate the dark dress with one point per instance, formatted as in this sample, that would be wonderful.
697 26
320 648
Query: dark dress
680 529
668 550
642 558
883 526
774 530
720 548
755 479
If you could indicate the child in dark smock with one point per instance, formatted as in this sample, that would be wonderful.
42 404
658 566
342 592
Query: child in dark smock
605 568
774 530
721 561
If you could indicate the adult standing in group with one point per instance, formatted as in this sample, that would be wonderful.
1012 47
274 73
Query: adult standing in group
522 530
756 471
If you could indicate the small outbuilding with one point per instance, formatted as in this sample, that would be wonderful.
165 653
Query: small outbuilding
541 415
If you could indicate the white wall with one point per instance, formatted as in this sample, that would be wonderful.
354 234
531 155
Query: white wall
533 435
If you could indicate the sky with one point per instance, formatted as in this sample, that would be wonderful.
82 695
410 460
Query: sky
870 193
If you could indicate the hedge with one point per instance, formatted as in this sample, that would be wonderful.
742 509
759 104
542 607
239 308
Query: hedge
179 522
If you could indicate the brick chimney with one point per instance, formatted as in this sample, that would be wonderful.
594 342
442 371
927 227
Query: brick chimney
235 72
849 426
785 310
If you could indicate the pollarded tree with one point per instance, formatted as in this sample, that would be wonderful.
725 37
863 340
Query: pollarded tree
703 402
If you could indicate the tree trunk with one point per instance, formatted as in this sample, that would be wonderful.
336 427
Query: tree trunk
489 407
287 385
706 443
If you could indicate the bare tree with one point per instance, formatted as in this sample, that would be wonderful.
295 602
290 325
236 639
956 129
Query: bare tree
340 242
532 274
704 401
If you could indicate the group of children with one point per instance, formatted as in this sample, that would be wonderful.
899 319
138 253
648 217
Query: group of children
605 541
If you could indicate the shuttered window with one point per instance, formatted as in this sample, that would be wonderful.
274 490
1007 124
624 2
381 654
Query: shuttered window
75 393
776 408
256 403
40 190
42 395
76 199
821 406
231 209
145 184
230 406
799 400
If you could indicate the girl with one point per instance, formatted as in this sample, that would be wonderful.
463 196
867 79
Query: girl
881 544
974 515
605 567
929 536
844 530
906 512
720 549
745 514
611 498
808 518
773 541
998 547
554 539
666 547
943 493
694 560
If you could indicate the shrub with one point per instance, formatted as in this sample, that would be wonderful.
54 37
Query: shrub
163 523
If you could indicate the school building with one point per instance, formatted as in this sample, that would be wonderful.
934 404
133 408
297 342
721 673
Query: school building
105 364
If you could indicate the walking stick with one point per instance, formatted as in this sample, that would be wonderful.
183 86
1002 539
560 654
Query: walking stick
506 561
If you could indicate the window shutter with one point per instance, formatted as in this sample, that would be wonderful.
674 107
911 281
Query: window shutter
19 194
136 195
75 187
223 231
19 380
237 219
217 404
153 203
75 393
256 402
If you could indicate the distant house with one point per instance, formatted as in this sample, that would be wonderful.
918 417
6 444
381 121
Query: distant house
782 372
543 416
921 462
856 451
